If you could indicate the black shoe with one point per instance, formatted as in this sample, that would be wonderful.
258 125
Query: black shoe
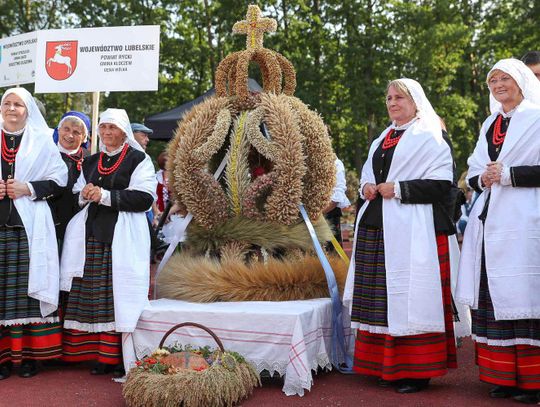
5 370
99 369
503 392
385 383
407 386
527 397
28 369
119 371
102 368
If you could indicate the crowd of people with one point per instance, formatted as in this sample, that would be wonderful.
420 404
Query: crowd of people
71 297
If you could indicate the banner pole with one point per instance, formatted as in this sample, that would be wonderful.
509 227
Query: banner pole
95 114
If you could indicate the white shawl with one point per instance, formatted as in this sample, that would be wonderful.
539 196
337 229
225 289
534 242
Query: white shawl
412 266
130 246
512 229
38 159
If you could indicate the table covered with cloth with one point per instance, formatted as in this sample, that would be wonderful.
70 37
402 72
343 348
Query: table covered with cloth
292 338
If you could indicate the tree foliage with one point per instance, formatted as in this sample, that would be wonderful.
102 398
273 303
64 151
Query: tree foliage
345 52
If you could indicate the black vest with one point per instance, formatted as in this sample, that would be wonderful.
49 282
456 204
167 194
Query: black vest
101 218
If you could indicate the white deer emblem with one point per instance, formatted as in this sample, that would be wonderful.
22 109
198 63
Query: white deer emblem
59 58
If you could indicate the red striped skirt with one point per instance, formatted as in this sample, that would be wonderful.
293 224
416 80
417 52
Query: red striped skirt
512 365
102 347
31 341
416 356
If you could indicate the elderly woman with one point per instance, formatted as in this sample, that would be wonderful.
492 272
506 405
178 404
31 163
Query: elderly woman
499 274
399 277
72 132
105 259
31 169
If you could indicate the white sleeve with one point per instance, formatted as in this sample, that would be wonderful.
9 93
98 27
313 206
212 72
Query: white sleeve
78 187
105 197
397 190
32 191
506 178
338 195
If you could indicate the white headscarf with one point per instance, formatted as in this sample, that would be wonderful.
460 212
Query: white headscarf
38 159
120 119
35 123
429 120
527 82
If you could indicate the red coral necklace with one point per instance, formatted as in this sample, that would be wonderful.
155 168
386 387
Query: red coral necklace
390 142
108 171
498 135
8 154
77 157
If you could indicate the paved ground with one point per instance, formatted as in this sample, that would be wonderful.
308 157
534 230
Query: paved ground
74 386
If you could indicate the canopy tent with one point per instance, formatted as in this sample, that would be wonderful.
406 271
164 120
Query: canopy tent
164 124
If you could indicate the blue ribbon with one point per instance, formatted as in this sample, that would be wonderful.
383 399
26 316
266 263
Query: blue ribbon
338 335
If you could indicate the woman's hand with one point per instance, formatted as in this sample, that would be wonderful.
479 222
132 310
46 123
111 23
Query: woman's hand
16 189
86 190
386 189
3 189
486 180
494 171
95 194
370 191
91 192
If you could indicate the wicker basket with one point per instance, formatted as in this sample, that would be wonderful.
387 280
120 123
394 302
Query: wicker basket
226 381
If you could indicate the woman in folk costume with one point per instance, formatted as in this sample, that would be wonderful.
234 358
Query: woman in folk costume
31 169
106 254
399 276
499 274
72 132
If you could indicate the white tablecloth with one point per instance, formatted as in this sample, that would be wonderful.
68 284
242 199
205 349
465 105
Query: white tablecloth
291 338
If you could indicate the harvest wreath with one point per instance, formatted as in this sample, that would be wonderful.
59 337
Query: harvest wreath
242 164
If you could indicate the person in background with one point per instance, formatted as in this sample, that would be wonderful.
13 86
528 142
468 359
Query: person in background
72 132
338 201
162 178
105 262
499 270
465 211
31 170
142 134
532 60
399 276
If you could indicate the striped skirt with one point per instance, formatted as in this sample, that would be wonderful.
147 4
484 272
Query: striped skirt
510 364
89 312
24 334
404 357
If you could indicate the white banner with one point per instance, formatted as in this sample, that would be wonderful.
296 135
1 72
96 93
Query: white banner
98 59
17 59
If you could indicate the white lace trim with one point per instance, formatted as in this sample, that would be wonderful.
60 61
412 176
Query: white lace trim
518 314
506 342
25 321
80 326
14 133
375 329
